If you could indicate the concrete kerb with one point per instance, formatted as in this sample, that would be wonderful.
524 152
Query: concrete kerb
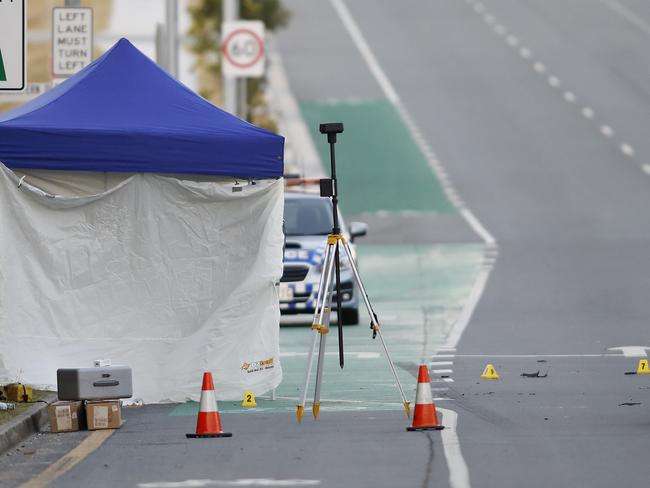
33 420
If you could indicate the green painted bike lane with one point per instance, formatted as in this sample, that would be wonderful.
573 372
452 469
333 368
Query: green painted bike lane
379 165
417 290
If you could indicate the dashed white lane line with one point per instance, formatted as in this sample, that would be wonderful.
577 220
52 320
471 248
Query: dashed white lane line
627 14
391 94
606 130
570 97
517 356
500 29
627 150
442 371
440 363
554 81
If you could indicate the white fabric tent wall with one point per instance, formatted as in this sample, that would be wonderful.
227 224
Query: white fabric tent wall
170 276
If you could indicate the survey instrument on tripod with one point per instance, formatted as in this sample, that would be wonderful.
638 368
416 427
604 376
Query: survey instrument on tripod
330 278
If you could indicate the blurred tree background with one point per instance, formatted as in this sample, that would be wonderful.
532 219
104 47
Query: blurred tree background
206 44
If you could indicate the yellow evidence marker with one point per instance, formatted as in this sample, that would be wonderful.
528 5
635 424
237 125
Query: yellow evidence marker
643 367
489 373
249 399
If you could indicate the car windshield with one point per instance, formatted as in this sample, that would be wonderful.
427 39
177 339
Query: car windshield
307 216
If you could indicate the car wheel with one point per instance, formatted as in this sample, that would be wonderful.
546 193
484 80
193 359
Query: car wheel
350 316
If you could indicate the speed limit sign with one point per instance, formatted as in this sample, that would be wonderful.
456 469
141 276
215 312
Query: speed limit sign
243 49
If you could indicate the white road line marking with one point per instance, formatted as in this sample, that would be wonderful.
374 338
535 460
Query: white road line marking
358 355
606 130
632 351
442 371
444 356
439 388
508 356
569 97
441 363
237 482
539 67
466 314
646 168
627 14
458 472
478 228
512 41
336 400
366 52
459 478
588 113
554 81
627 150
447 380
390 93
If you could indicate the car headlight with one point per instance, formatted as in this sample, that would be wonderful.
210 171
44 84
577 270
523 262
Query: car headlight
345 264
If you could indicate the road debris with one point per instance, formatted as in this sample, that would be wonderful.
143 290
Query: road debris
534 375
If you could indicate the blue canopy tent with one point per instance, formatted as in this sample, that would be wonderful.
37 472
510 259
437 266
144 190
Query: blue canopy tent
124 114
129 232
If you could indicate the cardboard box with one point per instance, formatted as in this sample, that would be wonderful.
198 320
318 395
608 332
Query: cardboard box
67 416
104 414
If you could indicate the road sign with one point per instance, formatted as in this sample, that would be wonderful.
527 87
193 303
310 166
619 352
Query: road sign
243 48
31 91
72 39
12 45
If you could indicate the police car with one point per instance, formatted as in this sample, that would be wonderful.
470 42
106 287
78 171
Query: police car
307 222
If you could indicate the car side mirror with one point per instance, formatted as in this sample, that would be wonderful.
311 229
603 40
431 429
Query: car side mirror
357 229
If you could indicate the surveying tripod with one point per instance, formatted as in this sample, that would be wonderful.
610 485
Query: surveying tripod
331 277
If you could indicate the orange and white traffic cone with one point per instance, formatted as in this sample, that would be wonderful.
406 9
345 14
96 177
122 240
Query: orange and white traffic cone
424 415
208 424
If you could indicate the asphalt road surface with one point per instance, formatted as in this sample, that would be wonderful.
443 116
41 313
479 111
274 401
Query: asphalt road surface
537 111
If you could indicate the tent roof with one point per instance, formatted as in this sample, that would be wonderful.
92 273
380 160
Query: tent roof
123 113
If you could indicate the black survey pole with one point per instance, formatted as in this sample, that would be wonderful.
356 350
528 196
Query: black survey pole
331 130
